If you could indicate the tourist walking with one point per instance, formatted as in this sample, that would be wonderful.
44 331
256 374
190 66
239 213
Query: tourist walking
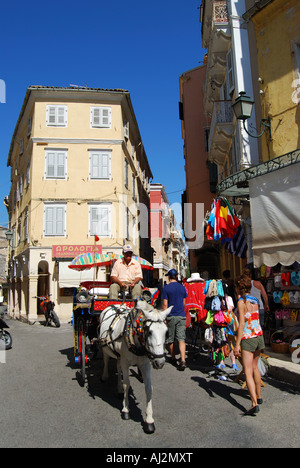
250 340
174 294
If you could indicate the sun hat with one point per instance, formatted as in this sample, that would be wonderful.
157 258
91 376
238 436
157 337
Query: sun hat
195 277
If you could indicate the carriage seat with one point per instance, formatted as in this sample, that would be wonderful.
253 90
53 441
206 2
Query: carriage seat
103 292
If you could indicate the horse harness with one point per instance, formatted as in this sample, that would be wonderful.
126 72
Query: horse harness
135 332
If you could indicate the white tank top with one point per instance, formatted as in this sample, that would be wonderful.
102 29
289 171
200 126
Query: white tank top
256 293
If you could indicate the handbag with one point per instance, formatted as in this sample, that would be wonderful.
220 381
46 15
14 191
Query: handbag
219 318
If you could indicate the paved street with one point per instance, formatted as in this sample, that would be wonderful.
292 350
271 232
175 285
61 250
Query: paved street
42 404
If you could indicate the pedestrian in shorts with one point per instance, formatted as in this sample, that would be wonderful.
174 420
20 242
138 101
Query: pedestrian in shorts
174 294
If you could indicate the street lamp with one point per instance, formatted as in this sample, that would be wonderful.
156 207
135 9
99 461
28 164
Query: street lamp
242 107
9 235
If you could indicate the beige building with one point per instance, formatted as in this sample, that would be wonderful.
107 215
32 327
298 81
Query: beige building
169 250
78 170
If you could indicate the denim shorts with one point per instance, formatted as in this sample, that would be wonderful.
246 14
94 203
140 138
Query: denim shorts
253 344
176 329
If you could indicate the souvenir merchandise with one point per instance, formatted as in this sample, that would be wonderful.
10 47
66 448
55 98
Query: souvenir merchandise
223 221
295 278
282 285
220 319
195 299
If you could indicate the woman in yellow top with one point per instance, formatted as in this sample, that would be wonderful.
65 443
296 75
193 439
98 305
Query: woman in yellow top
250 340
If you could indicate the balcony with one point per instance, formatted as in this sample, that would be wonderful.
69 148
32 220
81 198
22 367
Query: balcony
214 15
221 131
216 37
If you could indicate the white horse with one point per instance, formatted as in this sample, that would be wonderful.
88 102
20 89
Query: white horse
134 337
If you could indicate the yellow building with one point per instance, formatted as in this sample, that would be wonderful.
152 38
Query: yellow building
269 191
277 47
78 170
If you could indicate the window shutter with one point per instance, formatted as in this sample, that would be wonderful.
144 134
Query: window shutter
54 220
94 170
100 165
21 146
29 125
104 221
94 221
51 115
56 164
100 220
59 227
104 174
126 129
50 164
230 73
49 218
56 116
61 165
126 174
101 117
133 187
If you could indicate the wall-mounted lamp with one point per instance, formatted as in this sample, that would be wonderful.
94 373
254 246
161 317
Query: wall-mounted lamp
8 235
242 108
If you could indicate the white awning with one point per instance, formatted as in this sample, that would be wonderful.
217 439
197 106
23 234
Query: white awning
275 215
69 278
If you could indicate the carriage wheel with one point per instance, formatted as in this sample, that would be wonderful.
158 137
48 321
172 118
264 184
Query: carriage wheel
81 349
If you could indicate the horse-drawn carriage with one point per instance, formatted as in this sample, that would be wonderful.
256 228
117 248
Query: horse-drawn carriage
89 301
133 332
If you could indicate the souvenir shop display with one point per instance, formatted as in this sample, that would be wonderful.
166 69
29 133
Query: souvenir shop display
219 317
213 307
194 304
282 285
223 222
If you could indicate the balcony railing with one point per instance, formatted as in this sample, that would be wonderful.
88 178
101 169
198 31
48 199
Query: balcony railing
222 119
220 12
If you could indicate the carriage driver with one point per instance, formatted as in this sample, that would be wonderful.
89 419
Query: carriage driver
126 273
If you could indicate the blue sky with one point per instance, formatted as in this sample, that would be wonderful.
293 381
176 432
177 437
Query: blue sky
136 45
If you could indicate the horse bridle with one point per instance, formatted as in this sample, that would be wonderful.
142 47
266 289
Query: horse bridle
142 333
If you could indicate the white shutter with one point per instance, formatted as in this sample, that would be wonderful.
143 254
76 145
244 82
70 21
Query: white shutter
59 225
230 73
100 220
100 164
126 174
105 166
51 115
126 129
60 165
50 164
54 222
49 220
104 221
93 220
94 166
101 117
56 116
55 165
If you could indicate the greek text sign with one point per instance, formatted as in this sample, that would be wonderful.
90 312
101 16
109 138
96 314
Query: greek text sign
71 251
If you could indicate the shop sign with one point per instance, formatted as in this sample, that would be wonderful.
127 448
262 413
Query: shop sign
71 251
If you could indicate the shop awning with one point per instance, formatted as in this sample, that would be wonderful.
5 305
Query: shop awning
275 216
72 278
